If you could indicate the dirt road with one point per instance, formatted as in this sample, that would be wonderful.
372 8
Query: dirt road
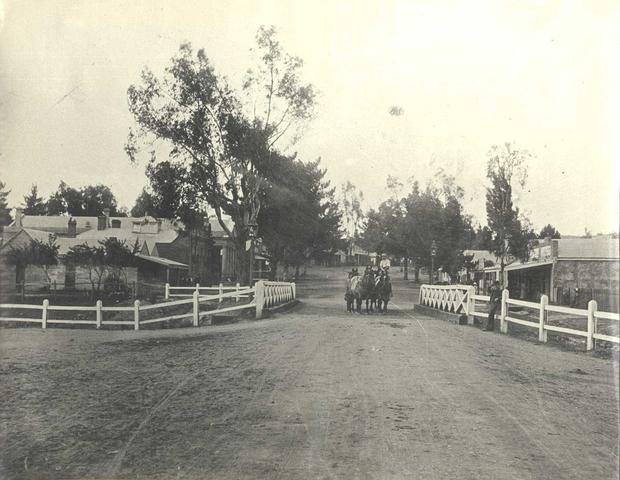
312 393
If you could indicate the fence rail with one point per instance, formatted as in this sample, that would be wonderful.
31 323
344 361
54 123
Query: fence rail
263 296
463 299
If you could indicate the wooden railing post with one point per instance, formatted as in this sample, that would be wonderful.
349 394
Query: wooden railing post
294 287
592 308
196 312
220 292
167 292
136 315
98 312
542 315
259 297
470 306
503 324
46 303
198 288
237 286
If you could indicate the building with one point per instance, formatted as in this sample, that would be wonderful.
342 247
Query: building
571 271
165 251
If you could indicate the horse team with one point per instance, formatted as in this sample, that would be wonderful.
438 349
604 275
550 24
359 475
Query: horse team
373 286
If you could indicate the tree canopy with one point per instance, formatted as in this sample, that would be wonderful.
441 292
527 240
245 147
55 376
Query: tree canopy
5 211
223 150
33 204
90 200
549 231
300 218
407 226
38 253
506 169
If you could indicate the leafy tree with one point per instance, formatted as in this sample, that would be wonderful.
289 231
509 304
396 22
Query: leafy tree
36 253
279 102
65 200
407 226
95 198
506 169
300 217
549 231
164 198
33 204
145 205
385 229
353 215
5 211
483 239
87 201
221 149
90 258
117 257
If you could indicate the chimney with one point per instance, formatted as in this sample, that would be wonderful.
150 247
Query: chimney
106 213
18 217
72 228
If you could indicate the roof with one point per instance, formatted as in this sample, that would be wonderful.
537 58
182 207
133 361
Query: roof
481 255
588 248
162 261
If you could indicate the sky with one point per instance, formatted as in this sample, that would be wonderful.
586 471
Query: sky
467 75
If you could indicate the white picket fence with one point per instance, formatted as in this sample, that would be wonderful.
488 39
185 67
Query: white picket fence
263 295
241 292
462 299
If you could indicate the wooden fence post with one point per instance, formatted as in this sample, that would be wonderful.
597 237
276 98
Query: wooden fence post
167 291
259 297
196 309
220 292
503 324
237 286
294 290
98 306
198 288
470 305
542 315
136 315
592 308
46 303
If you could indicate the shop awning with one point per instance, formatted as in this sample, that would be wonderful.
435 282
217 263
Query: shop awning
518 266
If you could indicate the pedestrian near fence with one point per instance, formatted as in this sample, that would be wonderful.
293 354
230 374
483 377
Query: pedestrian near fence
495 296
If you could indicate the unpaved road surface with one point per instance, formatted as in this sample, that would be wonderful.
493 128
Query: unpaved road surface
310 393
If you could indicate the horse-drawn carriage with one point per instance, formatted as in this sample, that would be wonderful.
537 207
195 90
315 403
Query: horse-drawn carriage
374 286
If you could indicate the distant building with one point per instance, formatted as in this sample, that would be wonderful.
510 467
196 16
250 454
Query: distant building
355 255
569 270
166 253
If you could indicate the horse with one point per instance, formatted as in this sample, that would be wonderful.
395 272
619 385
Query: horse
363 289
384 292
349 295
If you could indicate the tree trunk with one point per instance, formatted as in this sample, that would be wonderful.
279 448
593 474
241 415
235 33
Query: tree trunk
416 271
406 272
242 266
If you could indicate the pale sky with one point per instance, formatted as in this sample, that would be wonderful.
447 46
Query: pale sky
468 74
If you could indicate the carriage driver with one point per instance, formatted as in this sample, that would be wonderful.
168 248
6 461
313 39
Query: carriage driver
385 263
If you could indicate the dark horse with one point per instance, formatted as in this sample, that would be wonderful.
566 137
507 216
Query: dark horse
361 288
383 291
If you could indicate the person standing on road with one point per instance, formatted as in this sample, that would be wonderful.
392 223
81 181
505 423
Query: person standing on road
495 297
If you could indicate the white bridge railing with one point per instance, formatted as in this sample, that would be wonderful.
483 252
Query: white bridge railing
449 298
463 299
264 295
